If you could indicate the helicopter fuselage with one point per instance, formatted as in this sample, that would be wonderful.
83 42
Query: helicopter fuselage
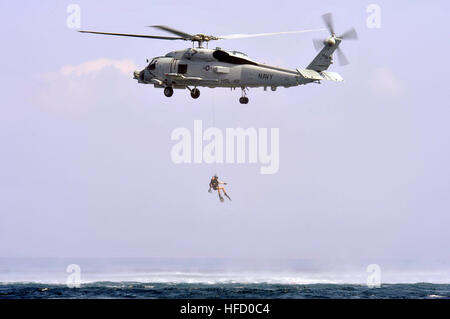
215 68
199 67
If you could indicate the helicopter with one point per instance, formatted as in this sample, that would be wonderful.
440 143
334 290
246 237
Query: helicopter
203 67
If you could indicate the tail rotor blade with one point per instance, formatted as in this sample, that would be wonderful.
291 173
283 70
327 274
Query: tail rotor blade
328 19
349 35
318 44
341 57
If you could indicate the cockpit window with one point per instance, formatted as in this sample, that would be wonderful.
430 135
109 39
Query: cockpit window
152 65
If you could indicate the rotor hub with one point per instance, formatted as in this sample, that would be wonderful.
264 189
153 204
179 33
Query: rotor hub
330 41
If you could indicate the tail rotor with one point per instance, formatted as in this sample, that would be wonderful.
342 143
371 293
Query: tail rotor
333 39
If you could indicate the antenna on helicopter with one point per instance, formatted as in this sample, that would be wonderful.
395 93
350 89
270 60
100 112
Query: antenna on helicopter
199 37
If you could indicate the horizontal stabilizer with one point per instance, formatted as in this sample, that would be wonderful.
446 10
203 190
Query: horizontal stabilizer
310 74
318 76
331 76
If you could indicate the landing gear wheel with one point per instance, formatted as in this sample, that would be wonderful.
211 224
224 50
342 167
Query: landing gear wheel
195 93
168 91
243 100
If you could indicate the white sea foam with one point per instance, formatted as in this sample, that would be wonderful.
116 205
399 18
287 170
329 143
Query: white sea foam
179 277
148 271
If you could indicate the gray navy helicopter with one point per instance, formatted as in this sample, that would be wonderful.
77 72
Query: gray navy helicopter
202 67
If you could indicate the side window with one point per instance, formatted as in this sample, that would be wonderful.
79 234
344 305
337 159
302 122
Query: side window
182 68
152 66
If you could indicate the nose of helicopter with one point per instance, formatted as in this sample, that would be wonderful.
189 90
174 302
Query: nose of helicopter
140 76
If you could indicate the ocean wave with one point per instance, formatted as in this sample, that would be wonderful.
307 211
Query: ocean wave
223 290
186 277
179 277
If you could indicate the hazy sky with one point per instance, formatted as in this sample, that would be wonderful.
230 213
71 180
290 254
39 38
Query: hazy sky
85 151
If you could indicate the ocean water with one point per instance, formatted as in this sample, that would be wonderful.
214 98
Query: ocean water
177 278
135 290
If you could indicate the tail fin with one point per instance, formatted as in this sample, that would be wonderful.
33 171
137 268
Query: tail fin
324 59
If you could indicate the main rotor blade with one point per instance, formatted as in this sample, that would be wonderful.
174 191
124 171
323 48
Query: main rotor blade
341 57
328 19
174 31
243 35
135 35
349 35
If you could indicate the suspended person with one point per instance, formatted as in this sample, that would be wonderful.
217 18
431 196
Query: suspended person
214 184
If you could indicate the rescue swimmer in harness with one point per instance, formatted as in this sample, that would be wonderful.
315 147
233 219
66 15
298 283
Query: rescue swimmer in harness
214 185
